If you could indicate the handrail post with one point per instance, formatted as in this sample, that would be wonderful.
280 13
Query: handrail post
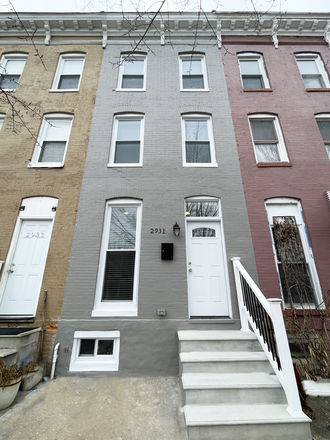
290 388
244 320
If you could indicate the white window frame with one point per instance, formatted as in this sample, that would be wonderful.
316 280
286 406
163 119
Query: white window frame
118 308
324 117
194 57
126 117
12 57
253 56
60 67
280 144
292 207
41 137
95 362
198 117
138 57
2 120
319 64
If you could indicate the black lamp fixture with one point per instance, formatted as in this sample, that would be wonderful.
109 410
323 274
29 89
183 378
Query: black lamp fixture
176 229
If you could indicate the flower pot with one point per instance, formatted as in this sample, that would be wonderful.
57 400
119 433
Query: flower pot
30 380
8 394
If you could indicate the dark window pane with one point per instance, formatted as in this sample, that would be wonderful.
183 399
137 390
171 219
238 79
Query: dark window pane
198 152
324 127
202 209
9 81
127 152
253 82
69 82
193 82
105 347
87 347
52 151
119 276
263 130
296 285
203 232
132 82
313 82
267 153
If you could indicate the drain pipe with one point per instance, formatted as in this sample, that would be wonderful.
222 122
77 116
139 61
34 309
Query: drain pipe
55 356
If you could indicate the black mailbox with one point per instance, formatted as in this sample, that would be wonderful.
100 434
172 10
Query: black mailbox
167 251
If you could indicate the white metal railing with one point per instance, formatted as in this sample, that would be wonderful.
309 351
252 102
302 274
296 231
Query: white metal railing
265 318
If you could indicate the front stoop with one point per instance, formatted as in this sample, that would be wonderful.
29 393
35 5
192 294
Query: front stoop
230 390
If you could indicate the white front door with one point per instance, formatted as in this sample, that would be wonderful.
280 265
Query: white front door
25 274
206 270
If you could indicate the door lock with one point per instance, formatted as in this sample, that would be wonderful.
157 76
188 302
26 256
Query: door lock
10 271
190 270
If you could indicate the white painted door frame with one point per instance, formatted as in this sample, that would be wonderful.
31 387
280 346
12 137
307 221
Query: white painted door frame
35 208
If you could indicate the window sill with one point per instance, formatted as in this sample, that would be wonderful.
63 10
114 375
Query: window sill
200 165
124 165
130 90
116 310
46 165
194 90
274 164
302 312
63 90
318 90
258 90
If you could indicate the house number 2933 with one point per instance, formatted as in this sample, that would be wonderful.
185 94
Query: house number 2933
157 231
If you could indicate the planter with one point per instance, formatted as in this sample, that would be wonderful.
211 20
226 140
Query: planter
8 394
30 380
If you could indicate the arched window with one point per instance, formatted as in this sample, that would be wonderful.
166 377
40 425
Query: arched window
68 72
312 70
253 71
11 68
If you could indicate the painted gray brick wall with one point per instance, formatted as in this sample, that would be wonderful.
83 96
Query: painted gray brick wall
162 184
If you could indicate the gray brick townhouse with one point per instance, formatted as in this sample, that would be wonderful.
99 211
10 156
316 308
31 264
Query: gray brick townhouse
162 209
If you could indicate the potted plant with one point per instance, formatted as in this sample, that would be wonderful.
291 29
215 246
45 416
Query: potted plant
10 379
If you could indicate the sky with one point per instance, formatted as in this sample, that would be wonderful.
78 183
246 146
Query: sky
172 5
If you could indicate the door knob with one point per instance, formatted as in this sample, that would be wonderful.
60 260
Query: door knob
190 270
10 271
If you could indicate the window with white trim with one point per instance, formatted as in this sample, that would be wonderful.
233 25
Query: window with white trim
132 73
312 70
293 255
52 144
253 73
68 72
198 142
323 121
2 118
95 351
267 139
118 275
11 68
193 72
127 140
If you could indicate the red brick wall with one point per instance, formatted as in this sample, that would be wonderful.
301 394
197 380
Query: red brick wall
309 176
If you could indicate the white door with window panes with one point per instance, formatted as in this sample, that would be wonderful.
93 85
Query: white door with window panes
206 261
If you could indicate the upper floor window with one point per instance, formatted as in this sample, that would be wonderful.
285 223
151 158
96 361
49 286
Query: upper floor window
198 143
323 121
127 140
11 68
312 71
193 72
267 139
68 72
2 118
132 72
253 71
51 147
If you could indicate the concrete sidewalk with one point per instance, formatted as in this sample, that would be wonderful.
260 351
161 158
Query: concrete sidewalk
97 408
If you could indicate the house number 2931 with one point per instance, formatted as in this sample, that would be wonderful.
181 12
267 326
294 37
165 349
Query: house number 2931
157 231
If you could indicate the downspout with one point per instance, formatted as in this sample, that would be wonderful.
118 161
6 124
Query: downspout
55 356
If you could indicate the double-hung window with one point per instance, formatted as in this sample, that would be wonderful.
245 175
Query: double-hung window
293 255
127 140
117 285
51 147
253 71
198 143
323 121
2 118
68 72
193 72
312 71
11 68
267 139
132 73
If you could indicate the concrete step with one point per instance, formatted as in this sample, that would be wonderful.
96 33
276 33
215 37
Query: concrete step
233 340
230 388
224 362
244 422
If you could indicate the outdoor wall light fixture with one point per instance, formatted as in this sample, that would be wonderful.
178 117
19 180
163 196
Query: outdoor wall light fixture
176 229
